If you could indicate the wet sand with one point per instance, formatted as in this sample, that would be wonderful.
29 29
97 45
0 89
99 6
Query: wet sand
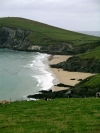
66 76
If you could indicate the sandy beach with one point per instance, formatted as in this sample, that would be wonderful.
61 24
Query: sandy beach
66 76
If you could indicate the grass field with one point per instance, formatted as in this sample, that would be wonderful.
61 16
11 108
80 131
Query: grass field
55 116
41 32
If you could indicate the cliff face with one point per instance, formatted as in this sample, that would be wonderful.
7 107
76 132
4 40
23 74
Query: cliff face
14 38
17 39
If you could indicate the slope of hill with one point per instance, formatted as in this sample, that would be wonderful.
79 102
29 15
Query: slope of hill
95 53
28 33
88 87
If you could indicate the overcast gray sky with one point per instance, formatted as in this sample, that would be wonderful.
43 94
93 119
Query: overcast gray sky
75 15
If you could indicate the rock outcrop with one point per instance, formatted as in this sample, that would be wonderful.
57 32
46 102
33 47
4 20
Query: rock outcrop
14 38
51 95
81 65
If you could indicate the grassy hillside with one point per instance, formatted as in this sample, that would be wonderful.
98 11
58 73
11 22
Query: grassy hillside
88 87
95 53
92 81
46 34
55 116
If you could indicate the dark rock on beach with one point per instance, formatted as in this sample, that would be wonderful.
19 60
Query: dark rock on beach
63 85
79 80
72 79
79 65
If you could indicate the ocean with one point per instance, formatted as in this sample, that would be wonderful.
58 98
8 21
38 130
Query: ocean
23 73
94 33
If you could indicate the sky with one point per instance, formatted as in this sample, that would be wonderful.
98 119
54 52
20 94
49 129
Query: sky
75 15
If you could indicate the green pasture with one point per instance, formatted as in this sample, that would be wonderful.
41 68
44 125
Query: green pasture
55 116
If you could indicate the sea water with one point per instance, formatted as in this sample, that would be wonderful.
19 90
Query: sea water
94 33
23 74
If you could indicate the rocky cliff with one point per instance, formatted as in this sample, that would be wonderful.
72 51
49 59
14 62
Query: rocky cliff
14 38
17 39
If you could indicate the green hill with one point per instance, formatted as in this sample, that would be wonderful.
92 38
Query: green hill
88 87
45 34
55 116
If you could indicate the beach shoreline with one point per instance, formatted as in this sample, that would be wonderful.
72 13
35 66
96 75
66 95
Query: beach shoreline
65 77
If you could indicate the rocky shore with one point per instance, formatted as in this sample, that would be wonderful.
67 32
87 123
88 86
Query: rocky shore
46 95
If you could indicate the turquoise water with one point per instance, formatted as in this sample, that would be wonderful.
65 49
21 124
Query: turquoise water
23 73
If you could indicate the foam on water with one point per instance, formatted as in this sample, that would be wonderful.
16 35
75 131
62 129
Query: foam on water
45 77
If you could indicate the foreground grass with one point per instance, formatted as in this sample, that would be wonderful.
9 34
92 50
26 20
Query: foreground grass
43 34
55 116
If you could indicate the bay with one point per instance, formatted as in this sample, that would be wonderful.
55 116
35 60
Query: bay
23 73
